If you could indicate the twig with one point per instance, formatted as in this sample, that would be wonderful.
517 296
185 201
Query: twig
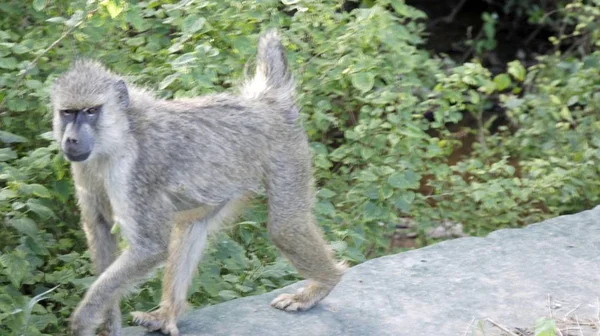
579 43
550 306
35 60
598 316
561 36
571 311
481 131
552 313
539 28
579 325
559 331
501 327
450 17
469 326
471 49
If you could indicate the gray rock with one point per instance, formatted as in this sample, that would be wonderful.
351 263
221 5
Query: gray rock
437 290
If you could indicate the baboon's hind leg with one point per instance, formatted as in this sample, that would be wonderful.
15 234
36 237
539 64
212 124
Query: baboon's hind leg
293 230
186 247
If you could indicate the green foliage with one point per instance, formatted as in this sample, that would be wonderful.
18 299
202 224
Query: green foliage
365 84
486 39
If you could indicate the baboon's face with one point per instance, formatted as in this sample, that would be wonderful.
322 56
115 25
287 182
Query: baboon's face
79 128
90 107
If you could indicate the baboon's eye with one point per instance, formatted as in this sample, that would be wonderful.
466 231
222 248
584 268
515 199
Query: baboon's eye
93 110
68 113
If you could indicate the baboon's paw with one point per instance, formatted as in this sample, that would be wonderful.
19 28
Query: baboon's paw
295 302
155 321
149 321
287 302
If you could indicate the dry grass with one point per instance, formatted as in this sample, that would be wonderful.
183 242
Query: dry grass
569 324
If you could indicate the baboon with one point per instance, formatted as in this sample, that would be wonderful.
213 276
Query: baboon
170 171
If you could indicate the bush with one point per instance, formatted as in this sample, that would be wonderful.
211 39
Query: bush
365 87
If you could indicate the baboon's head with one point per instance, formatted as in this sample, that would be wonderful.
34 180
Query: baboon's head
90 110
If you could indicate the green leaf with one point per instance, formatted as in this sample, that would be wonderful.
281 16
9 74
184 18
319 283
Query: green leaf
7 194
39 5
555 100
192 24
367 176
136 41
325 208
135 17
83 283
17 267
25 226
113 9
231 278
399 7
502 81
184 59
516 69
407 179
56 19
62 188
33 84
404 201
228 294
36 189
243 289
396 180
8 137
20 49
62 276
7 154
372 211
41 210
279 269
363 81
478 195
167 81
565 113
326 193
545 327
513 102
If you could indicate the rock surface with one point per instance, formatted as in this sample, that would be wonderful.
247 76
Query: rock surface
440 290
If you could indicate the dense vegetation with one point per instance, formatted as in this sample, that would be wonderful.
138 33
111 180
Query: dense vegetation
381 110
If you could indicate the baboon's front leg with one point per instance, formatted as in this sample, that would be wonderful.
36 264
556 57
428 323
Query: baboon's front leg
133 265
103 250
148 234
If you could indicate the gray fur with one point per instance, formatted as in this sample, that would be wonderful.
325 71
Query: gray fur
170 170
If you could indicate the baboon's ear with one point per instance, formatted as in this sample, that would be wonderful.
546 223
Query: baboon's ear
122 93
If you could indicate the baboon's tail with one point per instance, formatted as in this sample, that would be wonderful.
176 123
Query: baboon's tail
273 81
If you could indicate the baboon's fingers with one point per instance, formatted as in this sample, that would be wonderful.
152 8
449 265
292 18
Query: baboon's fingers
146 320
283 301
156 321
303 299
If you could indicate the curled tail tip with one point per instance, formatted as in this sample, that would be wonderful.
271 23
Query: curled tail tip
271 55
270 39
272 74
